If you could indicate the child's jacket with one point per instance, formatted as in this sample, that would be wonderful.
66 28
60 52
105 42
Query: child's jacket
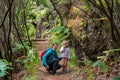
65 52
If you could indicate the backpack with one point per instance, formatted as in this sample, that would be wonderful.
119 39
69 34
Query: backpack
42 54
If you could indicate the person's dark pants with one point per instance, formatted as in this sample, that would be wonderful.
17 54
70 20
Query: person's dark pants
53 65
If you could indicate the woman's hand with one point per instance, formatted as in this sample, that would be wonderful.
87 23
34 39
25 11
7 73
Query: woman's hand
47 68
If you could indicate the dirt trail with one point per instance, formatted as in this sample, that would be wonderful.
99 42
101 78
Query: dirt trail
43 75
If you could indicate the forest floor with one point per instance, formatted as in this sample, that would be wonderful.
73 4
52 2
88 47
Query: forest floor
43 75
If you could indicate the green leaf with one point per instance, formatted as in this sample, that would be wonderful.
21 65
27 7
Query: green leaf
116 78
88 62
101 64
4 67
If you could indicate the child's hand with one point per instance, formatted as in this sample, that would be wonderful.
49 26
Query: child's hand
63 49
68 59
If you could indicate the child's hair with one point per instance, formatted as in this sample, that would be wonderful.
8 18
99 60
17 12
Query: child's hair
64 43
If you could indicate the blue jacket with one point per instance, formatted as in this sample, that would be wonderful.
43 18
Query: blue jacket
49 55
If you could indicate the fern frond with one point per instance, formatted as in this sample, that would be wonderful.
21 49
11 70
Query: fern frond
101 64
4 67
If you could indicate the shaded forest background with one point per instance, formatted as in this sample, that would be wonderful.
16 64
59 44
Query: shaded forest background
91 26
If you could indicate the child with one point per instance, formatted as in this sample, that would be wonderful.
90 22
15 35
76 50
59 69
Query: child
65 54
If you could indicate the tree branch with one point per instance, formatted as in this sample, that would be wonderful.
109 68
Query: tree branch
19 36
6 14
57 12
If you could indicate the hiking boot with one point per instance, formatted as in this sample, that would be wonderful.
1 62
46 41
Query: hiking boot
48 70
64 71
53 73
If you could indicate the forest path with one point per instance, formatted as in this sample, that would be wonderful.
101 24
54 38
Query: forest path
43 74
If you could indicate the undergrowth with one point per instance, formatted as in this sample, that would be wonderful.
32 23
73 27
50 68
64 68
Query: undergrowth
73 61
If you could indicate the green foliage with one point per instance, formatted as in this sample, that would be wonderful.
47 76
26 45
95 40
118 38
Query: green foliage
33 14
32 63
88 62
18 47
44 2
91 64
101 64
112 50
64 1
73 60
58 20
116 78
31 78
43 13
4 67
107 53
32 10
31 31
32 59
90 73
86 7
32 73
59 34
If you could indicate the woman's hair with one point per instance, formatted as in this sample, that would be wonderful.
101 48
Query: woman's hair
55 43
